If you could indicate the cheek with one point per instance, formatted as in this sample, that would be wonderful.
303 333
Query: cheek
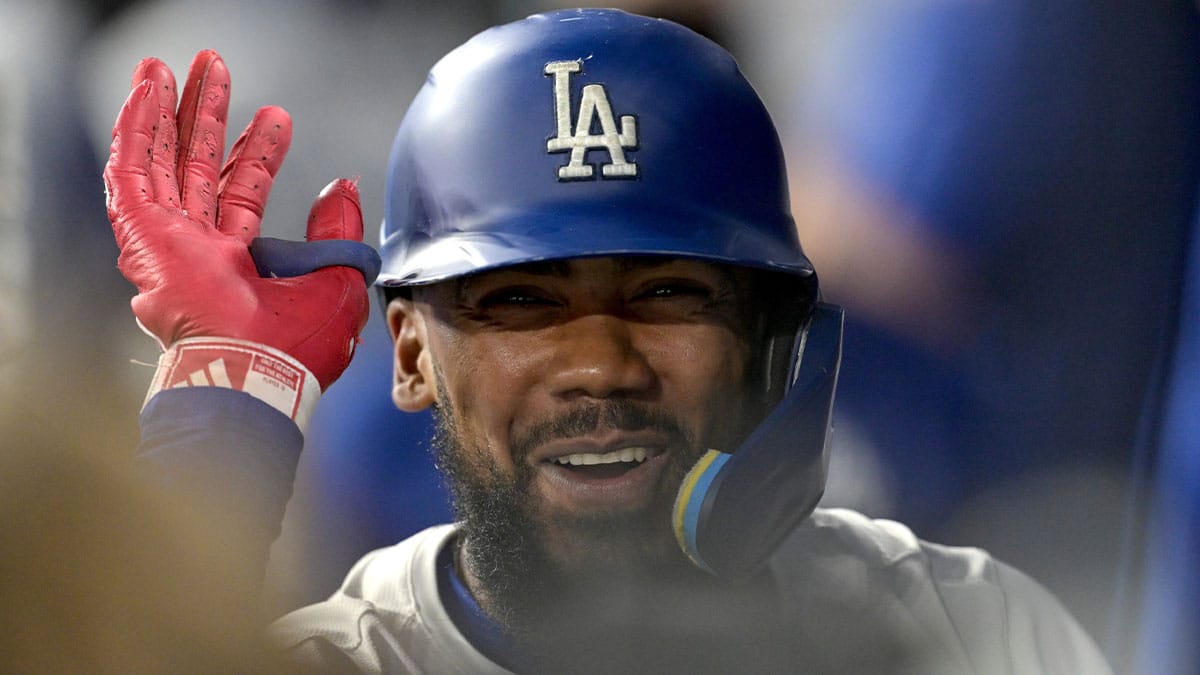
700 353
703 370
486 382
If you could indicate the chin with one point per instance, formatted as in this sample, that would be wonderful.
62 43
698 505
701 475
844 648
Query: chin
605 544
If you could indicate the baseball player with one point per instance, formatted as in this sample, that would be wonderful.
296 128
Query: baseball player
592 277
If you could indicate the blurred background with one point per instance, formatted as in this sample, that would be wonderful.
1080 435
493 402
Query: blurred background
1002 195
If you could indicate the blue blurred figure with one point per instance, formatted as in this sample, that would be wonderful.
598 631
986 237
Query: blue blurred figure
1170 623
1011 184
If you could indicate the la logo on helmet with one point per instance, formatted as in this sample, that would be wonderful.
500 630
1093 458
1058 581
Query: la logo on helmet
593 104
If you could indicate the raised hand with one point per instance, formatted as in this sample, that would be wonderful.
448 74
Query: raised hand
186 228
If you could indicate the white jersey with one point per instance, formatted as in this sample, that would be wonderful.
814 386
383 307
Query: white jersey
967 612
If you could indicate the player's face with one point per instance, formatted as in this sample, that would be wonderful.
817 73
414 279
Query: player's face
589 387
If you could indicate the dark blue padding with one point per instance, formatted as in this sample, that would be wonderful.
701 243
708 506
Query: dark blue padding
286 258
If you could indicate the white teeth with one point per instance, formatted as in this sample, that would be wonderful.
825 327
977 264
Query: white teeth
634 454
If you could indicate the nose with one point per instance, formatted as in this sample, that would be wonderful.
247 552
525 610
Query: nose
597 357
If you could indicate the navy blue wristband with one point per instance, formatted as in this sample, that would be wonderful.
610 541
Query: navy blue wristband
228 452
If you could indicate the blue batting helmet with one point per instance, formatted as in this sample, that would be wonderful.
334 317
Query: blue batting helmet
583 133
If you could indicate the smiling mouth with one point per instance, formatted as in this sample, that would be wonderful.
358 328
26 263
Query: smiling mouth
603 465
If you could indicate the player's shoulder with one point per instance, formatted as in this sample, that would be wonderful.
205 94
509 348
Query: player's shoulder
375 621
846 558
389 577
881 543
977 609
880 554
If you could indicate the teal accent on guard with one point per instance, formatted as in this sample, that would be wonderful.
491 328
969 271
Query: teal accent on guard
691 510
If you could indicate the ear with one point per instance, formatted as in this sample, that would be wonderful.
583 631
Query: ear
414 386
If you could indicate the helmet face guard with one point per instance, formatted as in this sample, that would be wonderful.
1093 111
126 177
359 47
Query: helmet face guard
586 133
734 509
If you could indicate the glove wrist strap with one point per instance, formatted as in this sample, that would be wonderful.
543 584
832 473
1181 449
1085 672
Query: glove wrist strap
263 372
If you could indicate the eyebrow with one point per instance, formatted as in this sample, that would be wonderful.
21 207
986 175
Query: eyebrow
555 268
628 263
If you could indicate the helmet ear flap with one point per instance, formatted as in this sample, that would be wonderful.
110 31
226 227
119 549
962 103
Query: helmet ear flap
784 305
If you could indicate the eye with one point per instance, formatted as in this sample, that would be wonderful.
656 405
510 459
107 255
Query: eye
674 289
516 297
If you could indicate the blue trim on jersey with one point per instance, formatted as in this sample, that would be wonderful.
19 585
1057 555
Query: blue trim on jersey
483 632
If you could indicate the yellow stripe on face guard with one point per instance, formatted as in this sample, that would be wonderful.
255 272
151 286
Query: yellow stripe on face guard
688 502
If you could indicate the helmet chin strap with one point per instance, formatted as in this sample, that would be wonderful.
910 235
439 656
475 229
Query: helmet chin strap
734 509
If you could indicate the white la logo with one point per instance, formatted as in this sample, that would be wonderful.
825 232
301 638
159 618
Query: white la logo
594 104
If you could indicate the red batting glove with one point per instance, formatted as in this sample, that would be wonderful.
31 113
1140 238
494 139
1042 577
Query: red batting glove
184 226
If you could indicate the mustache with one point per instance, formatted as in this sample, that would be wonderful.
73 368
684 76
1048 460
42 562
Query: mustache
596 418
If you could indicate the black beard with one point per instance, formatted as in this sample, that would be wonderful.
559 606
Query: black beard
624 581
511 543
